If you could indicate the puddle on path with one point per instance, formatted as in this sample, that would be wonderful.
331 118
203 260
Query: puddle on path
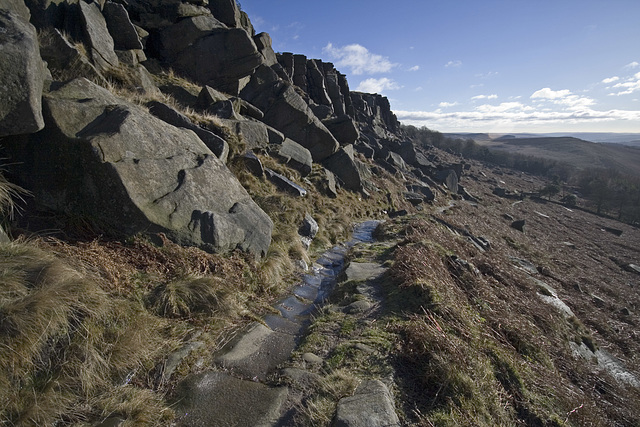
316 286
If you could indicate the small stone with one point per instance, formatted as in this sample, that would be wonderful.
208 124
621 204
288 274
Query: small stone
598 301
253 164
312 358
518 225
625 311
632 268
112 422
363 347
358 307
301 377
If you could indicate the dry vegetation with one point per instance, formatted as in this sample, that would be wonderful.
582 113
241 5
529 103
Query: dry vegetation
473 342
87 321
483 348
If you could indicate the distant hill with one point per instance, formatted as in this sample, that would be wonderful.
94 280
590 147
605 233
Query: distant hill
632 139
572 150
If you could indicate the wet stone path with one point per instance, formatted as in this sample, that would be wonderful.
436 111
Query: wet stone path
237 393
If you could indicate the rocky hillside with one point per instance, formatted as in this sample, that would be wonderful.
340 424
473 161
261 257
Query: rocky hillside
74 68
168 178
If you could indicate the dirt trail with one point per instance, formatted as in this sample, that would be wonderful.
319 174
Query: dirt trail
241 388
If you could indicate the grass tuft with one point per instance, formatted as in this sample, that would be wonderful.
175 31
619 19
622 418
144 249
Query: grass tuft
187 296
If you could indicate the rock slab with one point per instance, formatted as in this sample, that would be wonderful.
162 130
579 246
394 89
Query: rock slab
21 77
370 406
217 399
118 164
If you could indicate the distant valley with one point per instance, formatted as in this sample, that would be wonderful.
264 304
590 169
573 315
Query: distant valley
583 150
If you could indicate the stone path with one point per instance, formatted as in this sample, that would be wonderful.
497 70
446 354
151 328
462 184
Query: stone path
238 392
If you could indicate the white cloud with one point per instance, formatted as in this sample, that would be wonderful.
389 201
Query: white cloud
487 75
454 64
493 96
563 98
419 88
611 80
628 87
509 117
414 68
502 108
632 65
547 93
377 85
575 102
447 104
358 59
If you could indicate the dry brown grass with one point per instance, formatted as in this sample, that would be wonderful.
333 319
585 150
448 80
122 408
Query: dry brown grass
519 343
64 342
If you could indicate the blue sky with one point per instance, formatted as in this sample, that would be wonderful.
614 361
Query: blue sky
476 65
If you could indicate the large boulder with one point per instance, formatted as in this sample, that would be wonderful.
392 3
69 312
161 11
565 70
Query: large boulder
62 55
226 11
294 155
96 34
22 74
174 39
408 152
350 170
220 59
125 36
217 145
263 43
316 86
449 178
17 7
285 110
129 170
343 129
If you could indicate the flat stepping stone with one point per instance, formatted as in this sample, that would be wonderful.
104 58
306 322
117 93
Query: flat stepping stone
358 307
257 353
370 406
360 271
312 358
218 399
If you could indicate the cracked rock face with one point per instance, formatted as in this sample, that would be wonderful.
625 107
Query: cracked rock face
21 76
119 164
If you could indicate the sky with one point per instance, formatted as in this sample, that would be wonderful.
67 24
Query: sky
493 66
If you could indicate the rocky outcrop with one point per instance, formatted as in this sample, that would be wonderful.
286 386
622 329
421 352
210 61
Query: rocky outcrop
22 76
112 161
350 170
285 110
296 109
375 111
